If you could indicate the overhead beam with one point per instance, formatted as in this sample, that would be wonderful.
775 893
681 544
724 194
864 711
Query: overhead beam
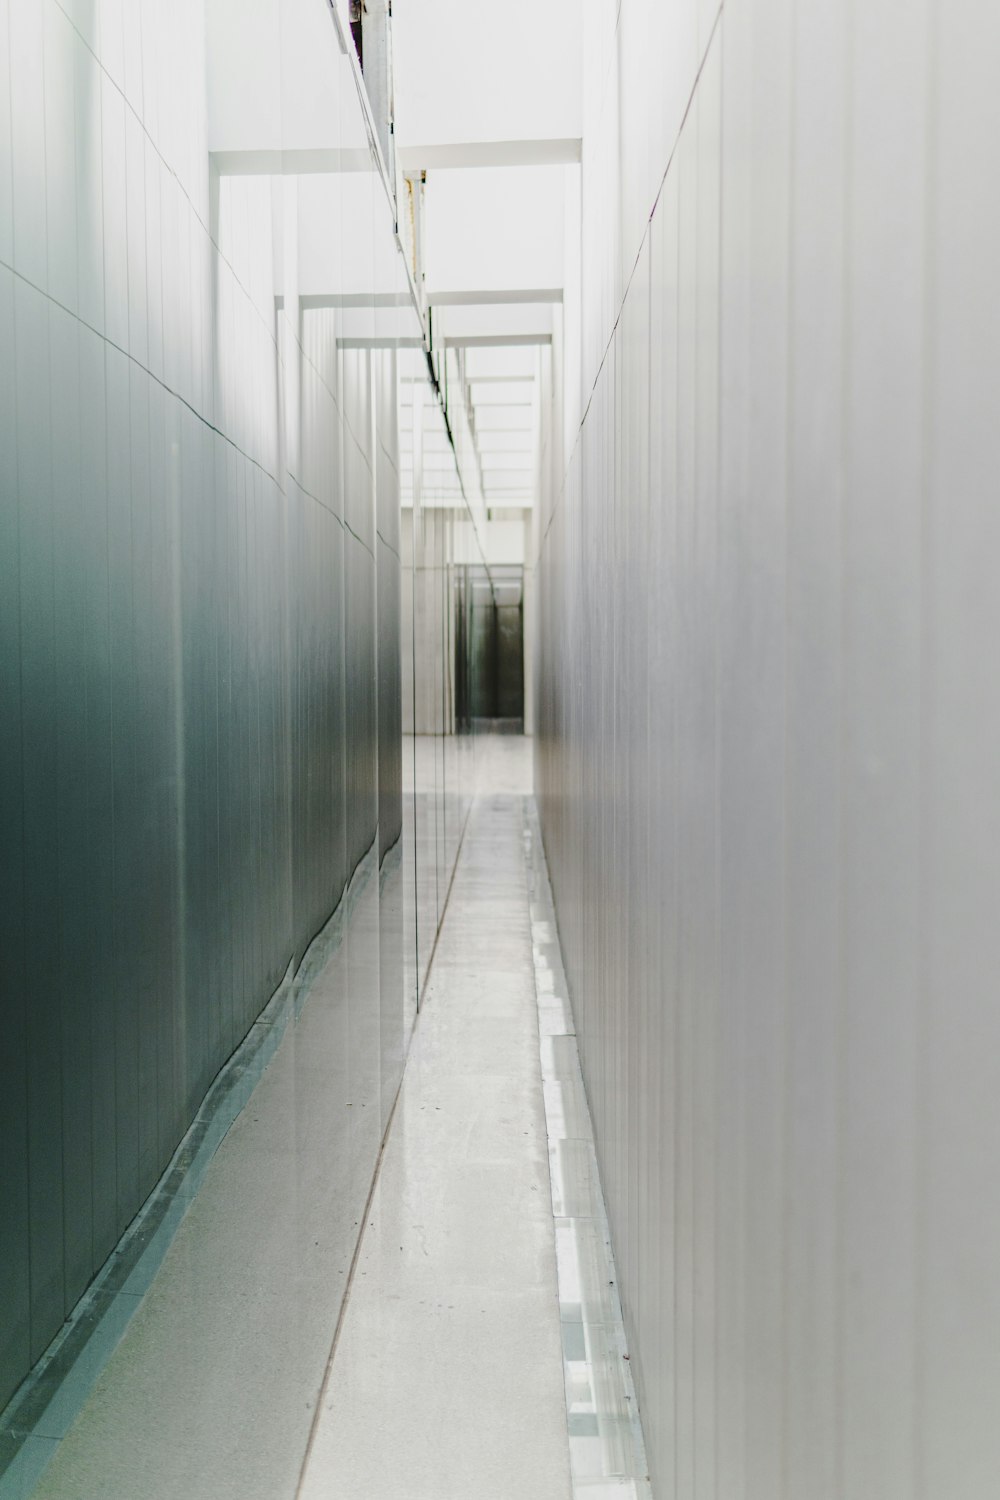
497 298
306 162
323 301
542 153
313 300
497 340
500 379
380 343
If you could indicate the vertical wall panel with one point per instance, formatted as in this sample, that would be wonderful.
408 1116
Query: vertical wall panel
814 685
688 820
125 860
703 873
70 703
14 1222
6 162
884 329
97 959
758 668
735 381
958 1441
200 736
26 29
41 837
789 1040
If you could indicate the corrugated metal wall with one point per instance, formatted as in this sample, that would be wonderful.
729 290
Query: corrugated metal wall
199 623
769 733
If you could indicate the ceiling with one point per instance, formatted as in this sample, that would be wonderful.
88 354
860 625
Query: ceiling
487 125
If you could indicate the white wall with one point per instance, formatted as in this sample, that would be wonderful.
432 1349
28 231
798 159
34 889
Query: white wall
486 72
769 731
494 228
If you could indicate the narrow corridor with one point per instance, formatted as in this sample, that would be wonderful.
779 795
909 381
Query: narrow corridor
446 1367
429 428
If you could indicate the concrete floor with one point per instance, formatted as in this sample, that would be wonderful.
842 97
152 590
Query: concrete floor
447 1378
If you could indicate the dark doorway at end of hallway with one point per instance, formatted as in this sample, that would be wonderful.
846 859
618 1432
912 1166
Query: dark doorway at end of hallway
489 649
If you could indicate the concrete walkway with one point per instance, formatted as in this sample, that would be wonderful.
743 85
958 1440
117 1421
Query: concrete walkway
447 1379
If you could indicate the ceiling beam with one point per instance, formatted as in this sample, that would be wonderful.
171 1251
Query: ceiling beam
301 163
504 297
543 153
497 340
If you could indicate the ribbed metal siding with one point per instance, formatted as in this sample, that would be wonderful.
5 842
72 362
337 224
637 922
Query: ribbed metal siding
190 644
769 735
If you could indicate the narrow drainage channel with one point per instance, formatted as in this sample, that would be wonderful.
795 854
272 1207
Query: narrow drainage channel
607 1451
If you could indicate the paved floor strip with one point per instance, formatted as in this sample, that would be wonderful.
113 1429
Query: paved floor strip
448 1379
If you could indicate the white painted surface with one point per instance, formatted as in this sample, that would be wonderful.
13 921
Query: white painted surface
486 72
475 222
503 544
769 734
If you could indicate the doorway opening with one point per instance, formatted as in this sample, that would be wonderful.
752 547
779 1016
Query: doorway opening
489 649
